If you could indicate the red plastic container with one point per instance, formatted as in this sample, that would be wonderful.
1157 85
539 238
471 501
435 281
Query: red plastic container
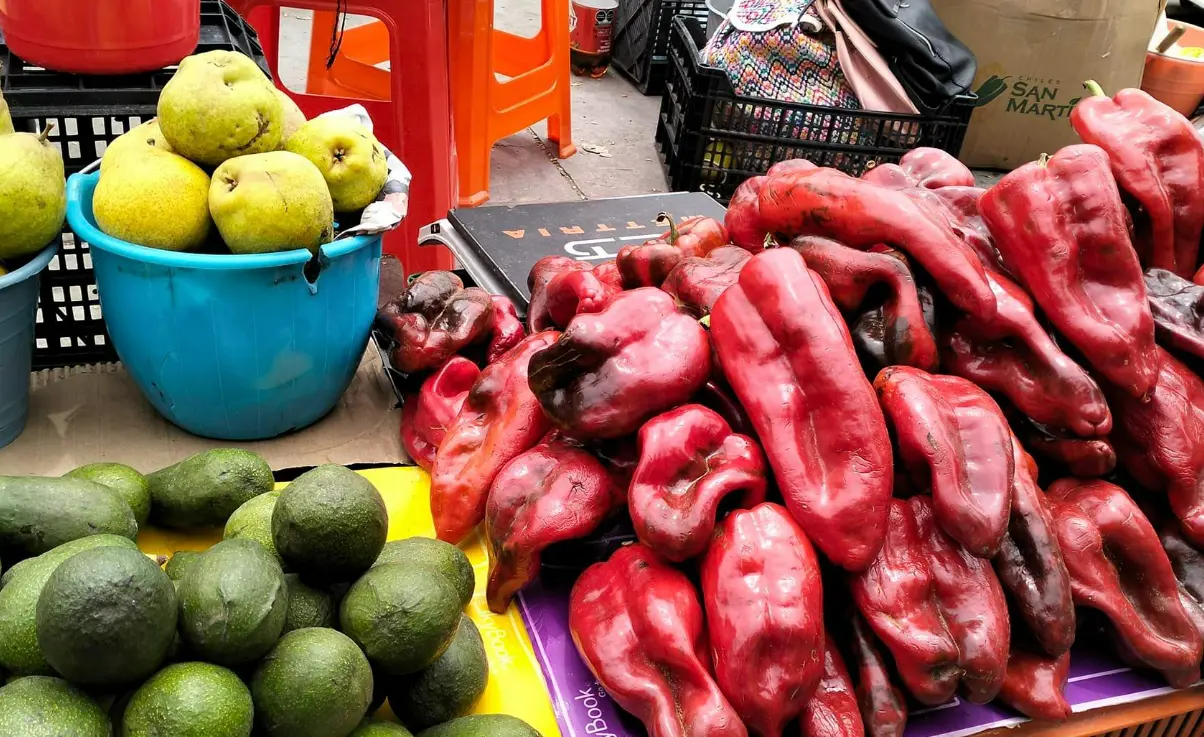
101 36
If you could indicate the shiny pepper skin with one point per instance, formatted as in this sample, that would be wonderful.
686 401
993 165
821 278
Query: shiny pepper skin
1157 157
554 492
1082 457
861 214
508 330
960 205
1030 563
425 416
743 217
1013 356
433 319
883 705
647 264
499 420
954 439
932 168
1118 567
850 275
832 711
785 350
695 283
971 600
611 371
897 595
638 625
541 275
1178 308
1059 225
1161 441
1035 684
764 608
562 287
690 462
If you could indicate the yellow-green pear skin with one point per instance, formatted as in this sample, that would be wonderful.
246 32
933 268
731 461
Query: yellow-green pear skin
33 194
154 198
135 140
350 158
293 117
219 105
6 120
270 202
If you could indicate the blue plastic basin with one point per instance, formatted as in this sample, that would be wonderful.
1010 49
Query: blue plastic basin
233 347
18 306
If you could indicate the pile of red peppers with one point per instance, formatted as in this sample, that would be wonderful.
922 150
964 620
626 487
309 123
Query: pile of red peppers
880 439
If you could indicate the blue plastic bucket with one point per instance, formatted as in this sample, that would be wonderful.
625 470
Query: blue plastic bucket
233 347
18 306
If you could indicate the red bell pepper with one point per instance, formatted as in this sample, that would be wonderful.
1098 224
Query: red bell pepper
562 287
953 439
832 711
1035 684
850 275
1060 226
1118 567
425 416
554 492
1178 308
1082 457
611 371
897 595
690 462
1030 563
648 264
743 217
883 706
787 354
1012 355
1161 441
961 206
638 625
1158 159
932 168
433 319
861 215
764 608
696 282
500 419
508 330
971 600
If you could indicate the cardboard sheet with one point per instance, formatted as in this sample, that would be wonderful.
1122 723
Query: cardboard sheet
93 414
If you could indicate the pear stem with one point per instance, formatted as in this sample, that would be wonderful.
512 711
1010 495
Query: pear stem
46 131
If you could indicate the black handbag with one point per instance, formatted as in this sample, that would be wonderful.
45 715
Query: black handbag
931 64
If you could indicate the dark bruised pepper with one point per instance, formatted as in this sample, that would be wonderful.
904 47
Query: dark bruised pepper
883 705
764 610
425 416
690 462
1178 308
433 319
785 350
638 625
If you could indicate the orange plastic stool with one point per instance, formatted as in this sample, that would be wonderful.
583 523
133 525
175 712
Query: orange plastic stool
417 127
484 108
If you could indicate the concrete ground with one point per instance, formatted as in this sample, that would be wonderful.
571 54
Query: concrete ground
613 128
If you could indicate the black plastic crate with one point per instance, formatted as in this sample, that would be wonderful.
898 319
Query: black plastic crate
640 45
88 112
710 139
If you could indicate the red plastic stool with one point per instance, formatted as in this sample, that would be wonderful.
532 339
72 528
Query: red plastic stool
415 123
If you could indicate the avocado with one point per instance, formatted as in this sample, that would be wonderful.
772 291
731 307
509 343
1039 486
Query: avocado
107 616
314 683
127 482
190 700
307 606
253 520
19 651
232 603
180 562
401 615
380 728
444 557
39 514
330 524
446 689
38 706
483 725
204 490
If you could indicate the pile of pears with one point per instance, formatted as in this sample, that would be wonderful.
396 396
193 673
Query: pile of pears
230 150
33 192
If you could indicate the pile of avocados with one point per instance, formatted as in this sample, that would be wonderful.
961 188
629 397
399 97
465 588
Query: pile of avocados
301 622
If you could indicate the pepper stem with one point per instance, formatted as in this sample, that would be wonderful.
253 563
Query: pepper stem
769 242
664 218
1094 89
705 321
1043 161
46 131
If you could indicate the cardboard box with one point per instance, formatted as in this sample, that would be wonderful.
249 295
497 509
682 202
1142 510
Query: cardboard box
1033 57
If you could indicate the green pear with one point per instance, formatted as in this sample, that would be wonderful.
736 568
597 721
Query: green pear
270 202
137 139
6 120
33 193
293 117
153 198
219 105
350 158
